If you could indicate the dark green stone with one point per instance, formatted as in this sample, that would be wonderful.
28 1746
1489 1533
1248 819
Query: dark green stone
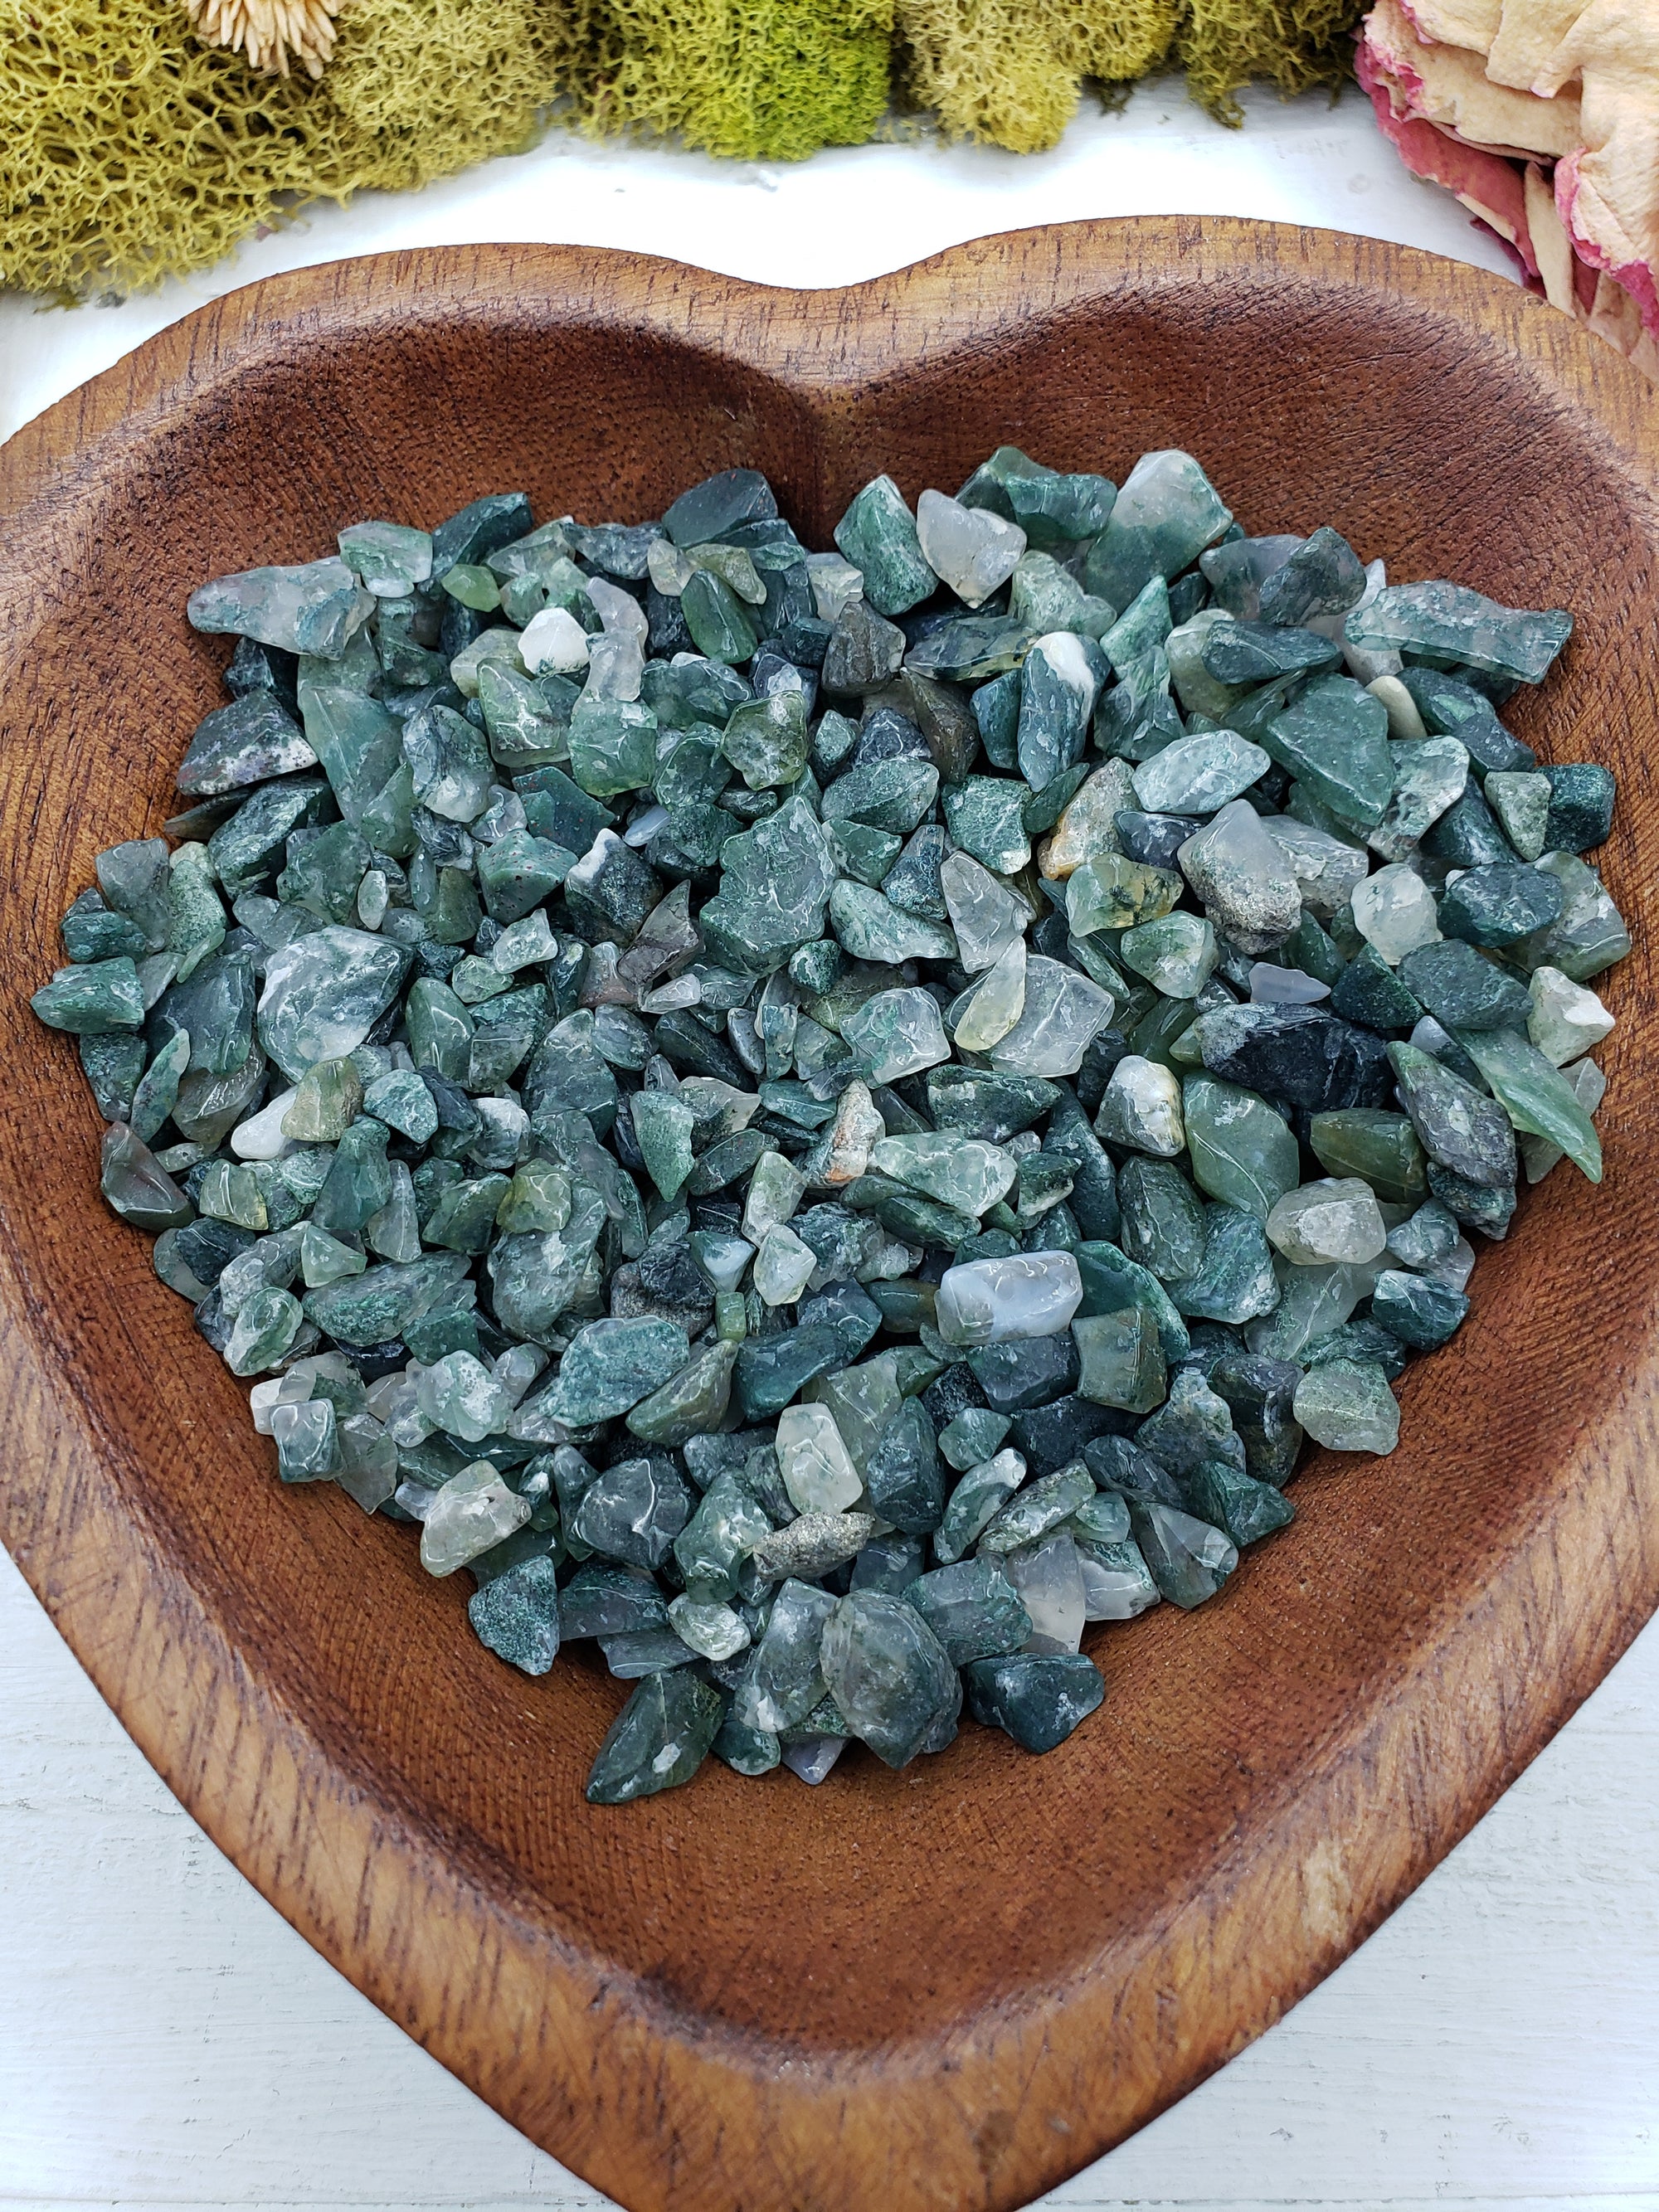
1489 1207
359 1182
570 1075
994 1107
714 1542
376 1307
1051 509
560 810
864 854
1335 740
360 744
717 619
1162 1218
611 1365
901 1474
1418 1311
766 741
1054 715
1378 1148
524 728
1497 906
324 872
1309 948
1034 1372
93 998
251 739
719 505
604 1600
996 712
1227 1498
1463 991
245 849
484 526
814 967
1467 836
113 1065
969 647
1189 1560
660 1738
1122 1470
1093 1200
1376 996
632 1512
1166 514
156 1095
1460 1130
864 651
973 1608
906 1213
1260 652
1193 1425
1112 1281
518 873
133 878
888 794
1323 576
776 885
1365 1343
877 535
772 1370
1038 1698
92 931
689 1403
617 549
1582 794
746 1750
1452 709
890 1675
1259 1393
516 1615
1241 1152
137 1186
1235 1282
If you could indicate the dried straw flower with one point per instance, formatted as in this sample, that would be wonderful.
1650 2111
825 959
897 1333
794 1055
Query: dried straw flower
269 32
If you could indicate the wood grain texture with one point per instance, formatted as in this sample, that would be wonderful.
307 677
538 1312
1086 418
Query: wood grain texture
952 1986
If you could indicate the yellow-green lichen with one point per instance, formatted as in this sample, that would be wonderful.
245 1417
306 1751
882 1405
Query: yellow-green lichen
1225 43
129 152
755 80
1010 72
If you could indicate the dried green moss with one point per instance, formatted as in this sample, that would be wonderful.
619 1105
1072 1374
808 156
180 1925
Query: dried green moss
770 81
1010 72
130 153
1225 43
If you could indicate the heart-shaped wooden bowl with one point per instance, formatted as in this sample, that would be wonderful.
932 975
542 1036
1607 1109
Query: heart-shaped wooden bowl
952 1986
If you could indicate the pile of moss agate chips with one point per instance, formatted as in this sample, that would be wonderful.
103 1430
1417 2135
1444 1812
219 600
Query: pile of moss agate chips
819 1120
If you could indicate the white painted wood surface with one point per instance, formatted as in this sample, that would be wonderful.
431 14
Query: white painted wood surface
166 2040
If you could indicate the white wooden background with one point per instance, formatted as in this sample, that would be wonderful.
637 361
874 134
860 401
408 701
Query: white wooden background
167 2040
